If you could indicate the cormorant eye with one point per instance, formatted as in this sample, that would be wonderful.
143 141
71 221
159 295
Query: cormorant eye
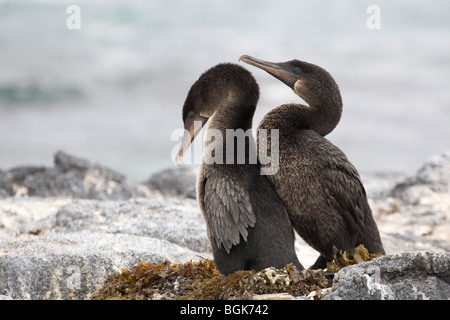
191 115
296 71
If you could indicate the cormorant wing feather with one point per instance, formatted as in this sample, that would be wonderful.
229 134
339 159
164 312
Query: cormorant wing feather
345 192
228 209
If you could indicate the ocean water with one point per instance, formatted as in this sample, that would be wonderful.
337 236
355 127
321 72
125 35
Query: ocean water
112 90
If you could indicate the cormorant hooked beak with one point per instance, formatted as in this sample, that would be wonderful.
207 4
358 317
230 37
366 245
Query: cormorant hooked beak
280 70
192 125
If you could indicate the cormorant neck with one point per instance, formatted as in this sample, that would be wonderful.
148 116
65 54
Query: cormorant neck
232 120
324 111
234 95
236 111
324 117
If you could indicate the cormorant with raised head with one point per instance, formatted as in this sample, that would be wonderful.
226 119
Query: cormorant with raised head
247 223
321 189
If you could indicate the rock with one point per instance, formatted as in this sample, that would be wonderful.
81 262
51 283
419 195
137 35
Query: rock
436 173
415 213
73 266
179 222
379 185
64 229
405 276
70 177
432 178
174 181
39 259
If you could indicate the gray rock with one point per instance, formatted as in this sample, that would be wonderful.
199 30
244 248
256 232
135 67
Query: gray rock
436 172
432 177
64 229
73 266
405 276
177 221
379 185
39 259
70 177
178 181
174 220
415 213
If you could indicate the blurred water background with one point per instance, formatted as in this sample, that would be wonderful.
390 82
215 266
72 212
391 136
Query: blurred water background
112 91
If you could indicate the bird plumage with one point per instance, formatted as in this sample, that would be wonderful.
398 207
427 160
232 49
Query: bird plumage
322 191
247 223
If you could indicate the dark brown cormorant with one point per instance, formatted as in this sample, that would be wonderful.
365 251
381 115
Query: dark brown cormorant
321 189
247 223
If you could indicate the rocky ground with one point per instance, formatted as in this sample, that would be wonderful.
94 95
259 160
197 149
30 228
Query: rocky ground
64 229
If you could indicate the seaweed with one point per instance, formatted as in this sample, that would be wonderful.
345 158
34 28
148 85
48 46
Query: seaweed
202 281
343 259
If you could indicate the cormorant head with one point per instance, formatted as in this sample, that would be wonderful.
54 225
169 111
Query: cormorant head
195 117
310 82
209 92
